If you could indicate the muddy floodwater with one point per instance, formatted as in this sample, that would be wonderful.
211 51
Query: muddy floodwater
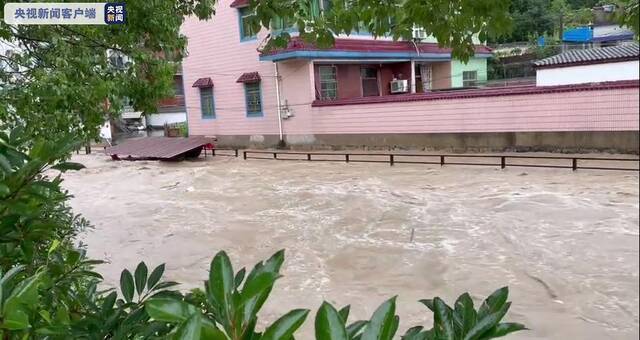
565 243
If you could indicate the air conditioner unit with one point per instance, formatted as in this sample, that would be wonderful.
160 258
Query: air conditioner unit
419 33
399 86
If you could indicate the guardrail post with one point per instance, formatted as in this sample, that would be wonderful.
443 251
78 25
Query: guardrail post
503 162
574 164
236 153
275 155
391 160
244 154
441 160
346 157
308 156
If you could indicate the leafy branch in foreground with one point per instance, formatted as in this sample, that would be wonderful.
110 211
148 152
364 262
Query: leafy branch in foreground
228 307
229 304
462 322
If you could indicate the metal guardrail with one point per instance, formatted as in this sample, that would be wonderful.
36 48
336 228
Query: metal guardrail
573 163
216 152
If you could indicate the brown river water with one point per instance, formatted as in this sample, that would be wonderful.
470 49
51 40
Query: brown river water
565 243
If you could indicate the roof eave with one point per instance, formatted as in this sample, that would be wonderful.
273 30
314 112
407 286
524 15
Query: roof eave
351 55
587 62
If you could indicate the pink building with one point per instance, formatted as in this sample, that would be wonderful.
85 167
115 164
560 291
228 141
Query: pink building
381 93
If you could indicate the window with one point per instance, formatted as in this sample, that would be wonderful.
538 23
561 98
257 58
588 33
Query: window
469 78
177 86
206 102
426 77
127 104
328 83
253 98
320 6
281 24
369 76
326 5
246 31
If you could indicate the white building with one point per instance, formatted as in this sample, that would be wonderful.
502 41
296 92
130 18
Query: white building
594 65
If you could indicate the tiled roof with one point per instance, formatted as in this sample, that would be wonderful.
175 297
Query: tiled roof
240 3
612 33
157 147
203 82
250 77
592 56
366 45
479 93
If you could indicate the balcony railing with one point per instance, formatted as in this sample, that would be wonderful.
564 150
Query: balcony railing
177 100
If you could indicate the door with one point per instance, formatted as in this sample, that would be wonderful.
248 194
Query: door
370 84
426 77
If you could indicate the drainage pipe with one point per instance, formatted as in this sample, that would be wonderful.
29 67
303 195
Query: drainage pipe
279 106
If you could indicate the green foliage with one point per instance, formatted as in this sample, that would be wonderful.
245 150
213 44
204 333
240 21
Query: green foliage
184 129
48 288
464 322
33 307
453 22
227 308
34 215
533 18
59 80
220 311
630 15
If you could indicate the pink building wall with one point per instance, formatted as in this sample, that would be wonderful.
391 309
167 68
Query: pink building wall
297 92
591 110
215 51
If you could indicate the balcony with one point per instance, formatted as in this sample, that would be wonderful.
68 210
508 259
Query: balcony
177 100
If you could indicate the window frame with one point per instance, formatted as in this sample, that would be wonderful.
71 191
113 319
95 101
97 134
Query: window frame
203 96
244 12
247 88
377 79
178 86
473 81
320 7
283 25
321 82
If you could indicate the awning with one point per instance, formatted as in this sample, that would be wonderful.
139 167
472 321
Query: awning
250 77
239 3
203 82
361 49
